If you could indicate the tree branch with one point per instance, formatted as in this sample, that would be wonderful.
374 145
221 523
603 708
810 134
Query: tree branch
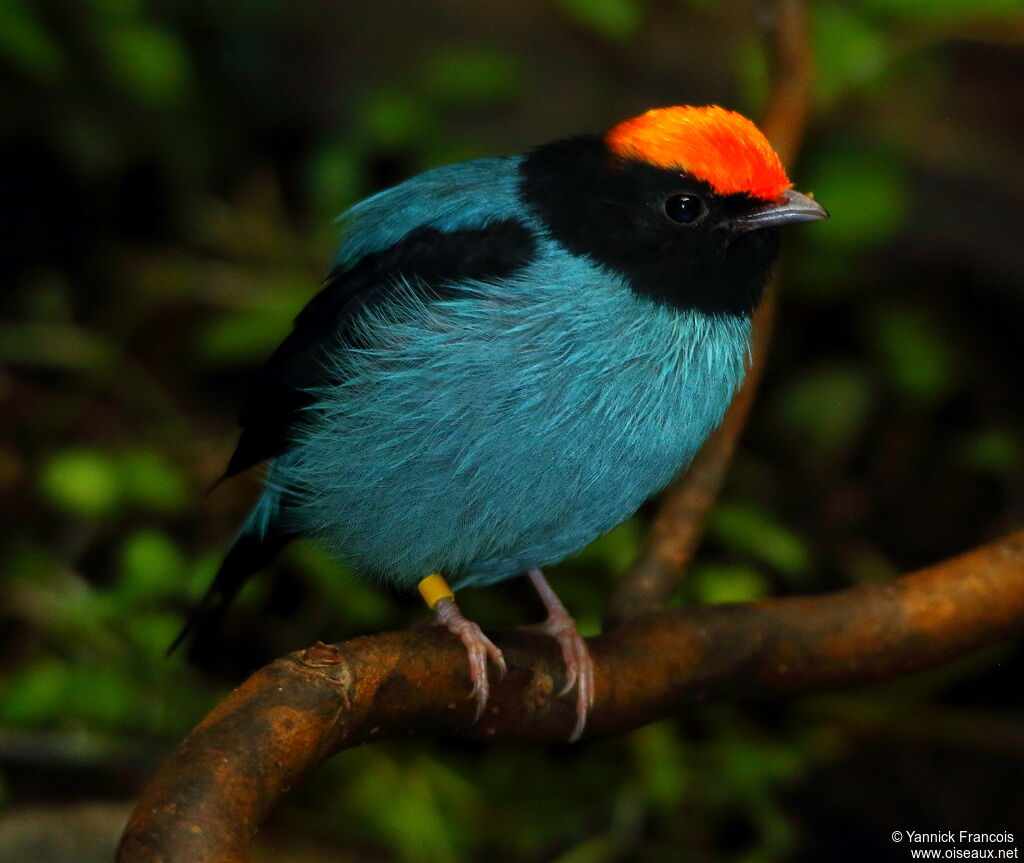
209 797
684 506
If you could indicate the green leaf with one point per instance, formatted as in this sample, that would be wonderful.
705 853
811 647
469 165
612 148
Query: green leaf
751 767
48 345
151 633
754 75
615 549
613 19
84 618
914 354
457 798
101 696
148 63
718 583
660 761
151 480
925 12
362 606
864 189
26 45
403 807
116 10
741 527
201 572
824 410
151 567
81 481
393 119
472 76
849 51
995 451
242 337
335 179
34 695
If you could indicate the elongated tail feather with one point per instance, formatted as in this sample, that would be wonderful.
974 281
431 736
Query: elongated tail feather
256 544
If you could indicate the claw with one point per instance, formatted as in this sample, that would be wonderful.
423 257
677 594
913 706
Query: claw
579 667
479 648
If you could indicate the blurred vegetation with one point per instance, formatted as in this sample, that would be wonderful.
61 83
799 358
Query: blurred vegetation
172 172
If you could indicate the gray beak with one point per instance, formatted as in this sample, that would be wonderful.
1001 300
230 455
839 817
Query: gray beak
792 207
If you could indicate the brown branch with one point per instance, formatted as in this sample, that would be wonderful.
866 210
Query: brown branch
789 105
209 797
683 509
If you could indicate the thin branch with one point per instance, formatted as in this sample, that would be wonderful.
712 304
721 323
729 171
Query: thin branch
684 506
210 796
789 105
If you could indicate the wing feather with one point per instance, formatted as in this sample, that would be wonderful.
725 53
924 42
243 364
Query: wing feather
430 260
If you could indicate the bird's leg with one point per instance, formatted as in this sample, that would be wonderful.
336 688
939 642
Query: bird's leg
479 647
579 667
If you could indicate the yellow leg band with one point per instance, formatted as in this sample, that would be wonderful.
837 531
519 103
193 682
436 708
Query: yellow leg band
433 589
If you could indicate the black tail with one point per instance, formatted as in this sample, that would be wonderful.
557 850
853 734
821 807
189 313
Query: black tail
250 552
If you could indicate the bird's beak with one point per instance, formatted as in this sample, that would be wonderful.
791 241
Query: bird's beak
791 207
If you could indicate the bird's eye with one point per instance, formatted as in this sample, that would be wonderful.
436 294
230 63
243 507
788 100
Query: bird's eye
684 209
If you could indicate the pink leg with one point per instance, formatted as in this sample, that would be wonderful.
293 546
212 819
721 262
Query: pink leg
579 667
478 646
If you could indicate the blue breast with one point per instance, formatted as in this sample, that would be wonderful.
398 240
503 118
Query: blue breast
506 425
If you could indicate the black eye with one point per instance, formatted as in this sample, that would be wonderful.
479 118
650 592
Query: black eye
685 209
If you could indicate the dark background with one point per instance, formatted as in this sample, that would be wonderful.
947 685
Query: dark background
170 173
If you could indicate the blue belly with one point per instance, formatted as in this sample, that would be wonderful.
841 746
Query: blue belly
498 430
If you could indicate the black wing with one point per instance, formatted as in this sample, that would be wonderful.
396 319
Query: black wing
427 259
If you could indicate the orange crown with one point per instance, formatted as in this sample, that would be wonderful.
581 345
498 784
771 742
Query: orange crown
719 146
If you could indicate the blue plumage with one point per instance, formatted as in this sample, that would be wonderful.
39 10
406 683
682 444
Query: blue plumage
451 198
510 356
506 425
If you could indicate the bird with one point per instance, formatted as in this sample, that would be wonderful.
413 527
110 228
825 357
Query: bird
508 357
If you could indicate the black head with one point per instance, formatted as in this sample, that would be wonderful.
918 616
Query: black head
670 234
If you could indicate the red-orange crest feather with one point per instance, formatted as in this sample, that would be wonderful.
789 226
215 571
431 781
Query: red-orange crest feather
719 146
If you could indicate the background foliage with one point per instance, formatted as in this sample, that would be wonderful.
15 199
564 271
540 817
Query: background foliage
171 172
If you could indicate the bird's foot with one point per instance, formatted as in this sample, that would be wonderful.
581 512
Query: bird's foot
579 667
479 648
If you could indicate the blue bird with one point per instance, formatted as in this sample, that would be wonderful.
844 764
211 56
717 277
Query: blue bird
510 356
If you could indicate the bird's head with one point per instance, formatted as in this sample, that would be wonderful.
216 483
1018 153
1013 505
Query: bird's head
685 203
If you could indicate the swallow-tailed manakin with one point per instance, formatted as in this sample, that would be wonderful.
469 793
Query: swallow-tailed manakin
508 357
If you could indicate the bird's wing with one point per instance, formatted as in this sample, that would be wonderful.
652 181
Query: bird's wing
429 260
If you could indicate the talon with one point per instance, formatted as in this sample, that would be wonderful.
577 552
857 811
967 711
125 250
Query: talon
498 658
579 667
479 648
570 680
